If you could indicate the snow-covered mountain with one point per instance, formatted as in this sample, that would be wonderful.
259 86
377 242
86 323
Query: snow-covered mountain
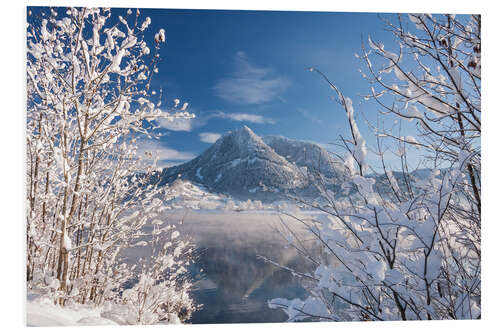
305 154
243 165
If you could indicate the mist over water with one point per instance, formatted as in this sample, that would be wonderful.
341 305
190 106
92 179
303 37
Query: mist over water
235 285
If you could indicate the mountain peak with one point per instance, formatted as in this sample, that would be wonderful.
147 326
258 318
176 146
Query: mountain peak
244 138
244 165
240 163
246 131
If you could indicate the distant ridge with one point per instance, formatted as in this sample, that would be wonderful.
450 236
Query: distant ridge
243 165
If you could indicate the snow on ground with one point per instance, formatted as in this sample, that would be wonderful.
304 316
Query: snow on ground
42 312
197 197
188 195
200 177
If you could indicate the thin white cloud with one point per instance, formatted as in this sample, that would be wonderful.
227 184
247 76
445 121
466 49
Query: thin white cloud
183 124
178 124
166 156
191 124
165 153
249 84
246 117
209 137
307 114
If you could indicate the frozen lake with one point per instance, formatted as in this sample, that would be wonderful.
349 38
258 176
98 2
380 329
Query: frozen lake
235 285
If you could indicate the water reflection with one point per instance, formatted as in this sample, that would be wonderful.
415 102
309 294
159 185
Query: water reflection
235 285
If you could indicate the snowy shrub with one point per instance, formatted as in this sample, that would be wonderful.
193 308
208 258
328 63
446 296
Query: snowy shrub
89 193
283 206
246 205
406 245
230 205
257 205
161 292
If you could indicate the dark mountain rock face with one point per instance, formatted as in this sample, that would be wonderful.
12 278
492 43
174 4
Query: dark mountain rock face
245 166
241 164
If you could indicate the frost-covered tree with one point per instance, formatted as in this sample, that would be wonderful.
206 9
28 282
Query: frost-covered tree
89 196
405 245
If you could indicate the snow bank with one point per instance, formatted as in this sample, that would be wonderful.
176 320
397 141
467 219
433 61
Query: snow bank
42 312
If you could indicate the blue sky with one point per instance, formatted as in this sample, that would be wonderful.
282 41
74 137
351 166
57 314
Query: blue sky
238 68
